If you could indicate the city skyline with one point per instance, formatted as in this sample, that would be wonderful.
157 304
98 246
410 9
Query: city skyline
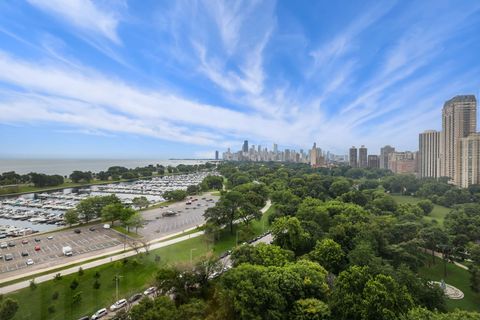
172 79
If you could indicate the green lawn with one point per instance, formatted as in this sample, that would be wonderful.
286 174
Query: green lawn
457 277
34 304
438 213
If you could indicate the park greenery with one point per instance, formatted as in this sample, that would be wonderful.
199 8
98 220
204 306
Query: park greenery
343 248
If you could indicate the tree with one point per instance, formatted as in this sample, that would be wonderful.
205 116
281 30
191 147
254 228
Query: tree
8 308
384 299
136 221
289 234
125 216
160 308
359 295
78 176
74 284
213 182
71 217
261 254
193 189
426 206
112 212
195 309
328 254
91 207
339 187
253 291
141 202
310 309
175 195
248 212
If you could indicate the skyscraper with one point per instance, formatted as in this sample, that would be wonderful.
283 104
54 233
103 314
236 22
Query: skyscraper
384 152
313 155
429 153
245 146
216 155
353 157
459 119
468 172
362 157
373 161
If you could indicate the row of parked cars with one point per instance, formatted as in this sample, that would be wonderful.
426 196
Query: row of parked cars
120 304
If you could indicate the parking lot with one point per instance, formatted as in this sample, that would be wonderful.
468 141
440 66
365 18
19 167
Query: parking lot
50 250
100 241
186 216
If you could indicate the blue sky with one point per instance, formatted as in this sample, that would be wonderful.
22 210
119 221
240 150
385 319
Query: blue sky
160 79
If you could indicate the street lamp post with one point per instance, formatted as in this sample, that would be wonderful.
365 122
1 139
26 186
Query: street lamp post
116 285
191 254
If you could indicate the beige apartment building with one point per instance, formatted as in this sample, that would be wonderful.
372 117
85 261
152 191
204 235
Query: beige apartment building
459 120
468 170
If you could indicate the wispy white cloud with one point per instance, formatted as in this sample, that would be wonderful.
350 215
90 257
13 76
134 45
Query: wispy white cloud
85 15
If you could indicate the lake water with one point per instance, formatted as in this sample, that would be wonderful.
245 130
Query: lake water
65 167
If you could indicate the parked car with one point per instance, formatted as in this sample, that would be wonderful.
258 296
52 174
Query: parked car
8 257
106 226
29 262
3 245
149 291
91 228
99 314
24 253
37 239
25 241
77 231
37 248
50 237
118 305
135 297
11 244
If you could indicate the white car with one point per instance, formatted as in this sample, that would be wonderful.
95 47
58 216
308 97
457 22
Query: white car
99 314
50 237
29 262
149 291
118 305
106 226
3 245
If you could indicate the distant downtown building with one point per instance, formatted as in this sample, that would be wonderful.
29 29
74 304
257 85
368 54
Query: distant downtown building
373 161
362 157
468 169
245 146
384 152
459 120
352 156
216 155
429 154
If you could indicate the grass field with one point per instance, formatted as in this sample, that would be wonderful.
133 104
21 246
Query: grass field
137 274
438 213
457 277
